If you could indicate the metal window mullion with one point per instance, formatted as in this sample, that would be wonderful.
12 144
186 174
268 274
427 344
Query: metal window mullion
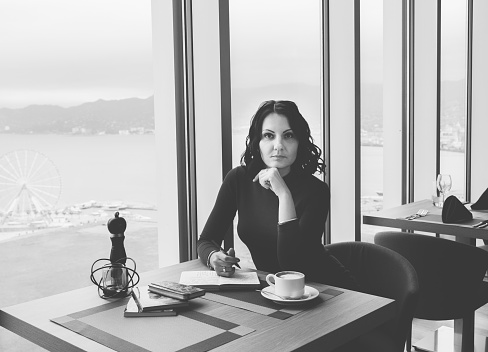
438 90
410 125
438 94
190 133
405 100
180 112
226 106
225 86
469 100
357 127
325 84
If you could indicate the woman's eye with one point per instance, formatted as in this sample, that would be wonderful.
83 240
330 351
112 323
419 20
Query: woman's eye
267 135
289 135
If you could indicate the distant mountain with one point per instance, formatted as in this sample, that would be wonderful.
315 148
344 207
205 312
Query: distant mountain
112 116
102 116
308 99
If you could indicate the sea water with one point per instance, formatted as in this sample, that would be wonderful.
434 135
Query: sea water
104 168
121 168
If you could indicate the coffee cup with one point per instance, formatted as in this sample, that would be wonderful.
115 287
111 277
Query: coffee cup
287 284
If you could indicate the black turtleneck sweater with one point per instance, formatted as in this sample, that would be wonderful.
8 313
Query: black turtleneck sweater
294 245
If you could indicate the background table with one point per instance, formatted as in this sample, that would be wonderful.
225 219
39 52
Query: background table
432 222
324 326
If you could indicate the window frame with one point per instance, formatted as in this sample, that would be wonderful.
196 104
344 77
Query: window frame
406 18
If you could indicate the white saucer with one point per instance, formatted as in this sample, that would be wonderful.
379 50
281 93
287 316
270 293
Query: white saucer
310 293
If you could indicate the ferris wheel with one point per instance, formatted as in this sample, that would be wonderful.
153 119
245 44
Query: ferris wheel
30 184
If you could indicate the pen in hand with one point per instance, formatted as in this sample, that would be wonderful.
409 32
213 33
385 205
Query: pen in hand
223 251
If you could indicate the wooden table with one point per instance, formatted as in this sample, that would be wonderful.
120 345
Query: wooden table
324 326
432 222
395 218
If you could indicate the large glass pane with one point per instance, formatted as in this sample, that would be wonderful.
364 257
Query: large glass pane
275 54
453 93
479 169
77 141
371 111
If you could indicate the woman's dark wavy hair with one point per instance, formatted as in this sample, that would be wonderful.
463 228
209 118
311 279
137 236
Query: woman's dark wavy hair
308 155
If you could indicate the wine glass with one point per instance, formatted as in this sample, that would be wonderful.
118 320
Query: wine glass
444 183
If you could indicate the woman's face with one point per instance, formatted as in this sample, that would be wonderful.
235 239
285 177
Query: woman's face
278 144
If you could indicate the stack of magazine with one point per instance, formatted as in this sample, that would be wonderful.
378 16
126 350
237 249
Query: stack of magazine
160 299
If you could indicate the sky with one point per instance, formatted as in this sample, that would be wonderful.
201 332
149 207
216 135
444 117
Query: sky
67 52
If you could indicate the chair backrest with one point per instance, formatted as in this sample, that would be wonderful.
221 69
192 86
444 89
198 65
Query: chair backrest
383 272
450 273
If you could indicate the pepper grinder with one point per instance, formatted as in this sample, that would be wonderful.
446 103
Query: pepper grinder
115 277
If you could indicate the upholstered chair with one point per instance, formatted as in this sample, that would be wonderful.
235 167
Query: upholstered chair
382 272
450 276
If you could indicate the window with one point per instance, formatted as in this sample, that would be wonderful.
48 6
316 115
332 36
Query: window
273 60
278 57
76 114
480 91
453 93
371 111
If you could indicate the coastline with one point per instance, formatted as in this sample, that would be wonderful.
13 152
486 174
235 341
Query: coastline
77 217
48 261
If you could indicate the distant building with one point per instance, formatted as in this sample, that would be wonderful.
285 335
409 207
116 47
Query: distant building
81 130
137 130
372 138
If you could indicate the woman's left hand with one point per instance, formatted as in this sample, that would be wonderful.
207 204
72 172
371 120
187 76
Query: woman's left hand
272 180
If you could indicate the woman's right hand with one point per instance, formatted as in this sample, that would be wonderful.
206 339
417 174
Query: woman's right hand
223 264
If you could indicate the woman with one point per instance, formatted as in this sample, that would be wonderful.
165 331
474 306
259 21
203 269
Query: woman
282 207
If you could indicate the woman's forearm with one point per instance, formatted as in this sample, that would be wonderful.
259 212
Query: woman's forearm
286 209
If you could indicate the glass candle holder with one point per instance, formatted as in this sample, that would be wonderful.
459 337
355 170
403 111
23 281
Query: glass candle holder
115 281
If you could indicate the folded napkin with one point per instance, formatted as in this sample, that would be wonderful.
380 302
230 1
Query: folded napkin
482 202
453 211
